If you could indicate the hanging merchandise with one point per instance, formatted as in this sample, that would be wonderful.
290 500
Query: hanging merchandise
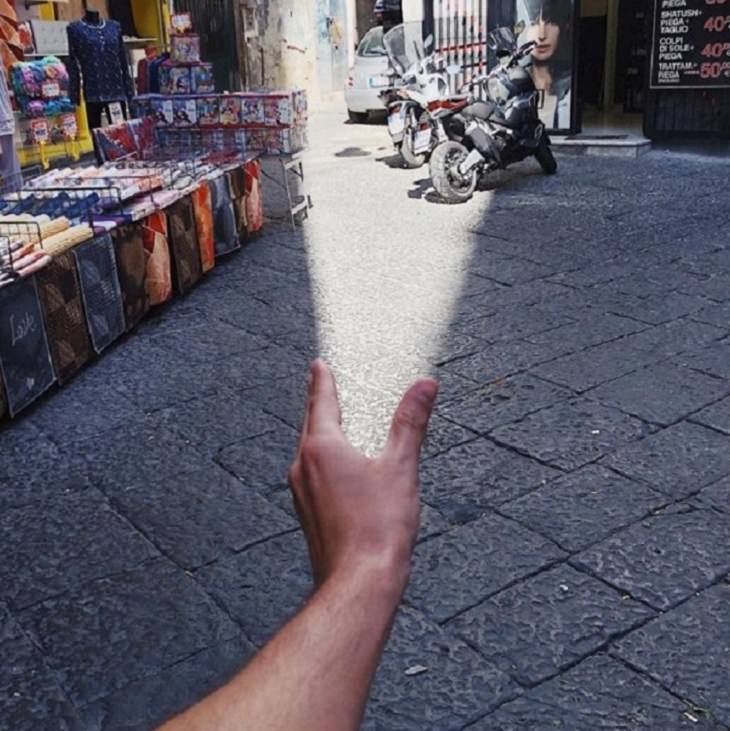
25 358
11 44
158 268
224 217
132 270
41 87
60 293
97 55
253 197
101 291
203 209
184 245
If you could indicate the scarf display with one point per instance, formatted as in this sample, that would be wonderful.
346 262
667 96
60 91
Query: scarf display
254 199
237 190
25 358
63 310
186 268
131 260
157 249
203 210
100 290
224 217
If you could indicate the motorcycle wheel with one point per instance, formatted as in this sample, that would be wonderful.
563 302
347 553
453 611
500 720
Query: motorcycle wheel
544 156
410 159
450 185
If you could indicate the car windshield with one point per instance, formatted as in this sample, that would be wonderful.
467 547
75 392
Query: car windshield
372 43
404 46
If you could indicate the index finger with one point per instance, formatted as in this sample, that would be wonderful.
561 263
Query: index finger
324 407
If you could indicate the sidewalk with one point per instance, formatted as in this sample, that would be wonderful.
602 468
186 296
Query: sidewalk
573 564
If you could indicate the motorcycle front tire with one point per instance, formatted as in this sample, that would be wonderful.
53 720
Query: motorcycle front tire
410 159
544 156
450 189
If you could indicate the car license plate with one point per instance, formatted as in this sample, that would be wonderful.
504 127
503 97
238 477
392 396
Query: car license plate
379 81
421 141
396 123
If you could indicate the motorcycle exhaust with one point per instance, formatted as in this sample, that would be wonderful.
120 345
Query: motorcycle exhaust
472 160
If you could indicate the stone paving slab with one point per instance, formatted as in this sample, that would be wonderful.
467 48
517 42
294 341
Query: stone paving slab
51 553
30 695
643 393
688 651
716 416
262 461
571 434
600 693
132 454
196 519
457 686
590 368
464 481
547 623
148 702
716 495
450 573
713 360
503 402
584 507
102 636
262 587
677 461
665 558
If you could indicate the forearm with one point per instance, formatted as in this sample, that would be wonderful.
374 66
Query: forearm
316 673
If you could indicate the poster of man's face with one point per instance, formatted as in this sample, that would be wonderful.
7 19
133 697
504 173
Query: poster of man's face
549 24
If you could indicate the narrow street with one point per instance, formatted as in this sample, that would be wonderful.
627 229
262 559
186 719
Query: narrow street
574 557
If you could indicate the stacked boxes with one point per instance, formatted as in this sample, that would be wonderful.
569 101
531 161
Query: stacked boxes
276 121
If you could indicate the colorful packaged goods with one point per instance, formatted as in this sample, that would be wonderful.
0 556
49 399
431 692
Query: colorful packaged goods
203 81
185 112
231 112
185 48
208 111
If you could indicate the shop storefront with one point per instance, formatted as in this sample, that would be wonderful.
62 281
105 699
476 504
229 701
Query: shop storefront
661 67
87 250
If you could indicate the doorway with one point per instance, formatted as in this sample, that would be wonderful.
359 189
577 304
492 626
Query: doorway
612 53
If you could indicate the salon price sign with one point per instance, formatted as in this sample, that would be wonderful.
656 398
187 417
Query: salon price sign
691 44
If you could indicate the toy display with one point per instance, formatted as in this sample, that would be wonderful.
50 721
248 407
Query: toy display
185 48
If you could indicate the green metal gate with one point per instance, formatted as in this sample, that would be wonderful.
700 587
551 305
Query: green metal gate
216 22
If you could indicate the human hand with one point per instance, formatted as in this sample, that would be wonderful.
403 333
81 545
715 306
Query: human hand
358 513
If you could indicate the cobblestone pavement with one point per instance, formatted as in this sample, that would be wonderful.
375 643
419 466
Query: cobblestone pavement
572 571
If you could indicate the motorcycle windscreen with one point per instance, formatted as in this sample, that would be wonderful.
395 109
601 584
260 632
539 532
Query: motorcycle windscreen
404 46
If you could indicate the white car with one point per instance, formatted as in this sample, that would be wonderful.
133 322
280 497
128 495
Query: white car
368 77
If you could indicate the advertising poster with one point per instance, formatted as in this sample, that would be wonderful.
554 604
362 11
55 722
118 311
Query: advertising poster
550 24
691 44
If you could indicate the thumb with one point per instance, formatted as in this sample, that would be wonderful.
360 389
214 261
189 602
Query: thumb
410 422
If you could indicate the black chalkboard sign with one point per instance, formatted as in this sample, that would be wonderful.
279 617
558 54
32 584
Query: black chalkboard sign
25 358
691 44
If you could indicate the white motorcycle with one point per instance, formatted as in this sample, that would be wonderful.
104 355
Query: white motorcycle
424 87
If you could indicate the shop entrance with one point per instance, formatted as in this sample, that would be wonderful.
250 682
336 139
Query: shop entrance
612 53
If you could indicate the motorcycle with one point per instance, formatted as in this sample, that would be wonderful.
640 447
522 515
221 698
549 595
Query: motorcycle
502 130
424 86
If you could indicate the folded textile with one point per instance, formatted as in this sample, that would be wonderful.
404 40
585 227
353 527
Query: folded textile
131 261
58 244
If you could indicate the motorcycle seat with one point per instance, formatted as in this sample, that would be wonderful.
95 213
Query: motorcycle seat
479 110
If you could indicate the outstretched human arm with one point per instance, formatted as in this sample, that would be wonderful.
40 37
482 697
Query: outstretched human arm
360 517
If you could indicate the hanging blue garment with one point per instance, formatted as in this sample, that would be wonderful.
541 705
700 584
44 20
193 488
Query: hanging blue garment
98 59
